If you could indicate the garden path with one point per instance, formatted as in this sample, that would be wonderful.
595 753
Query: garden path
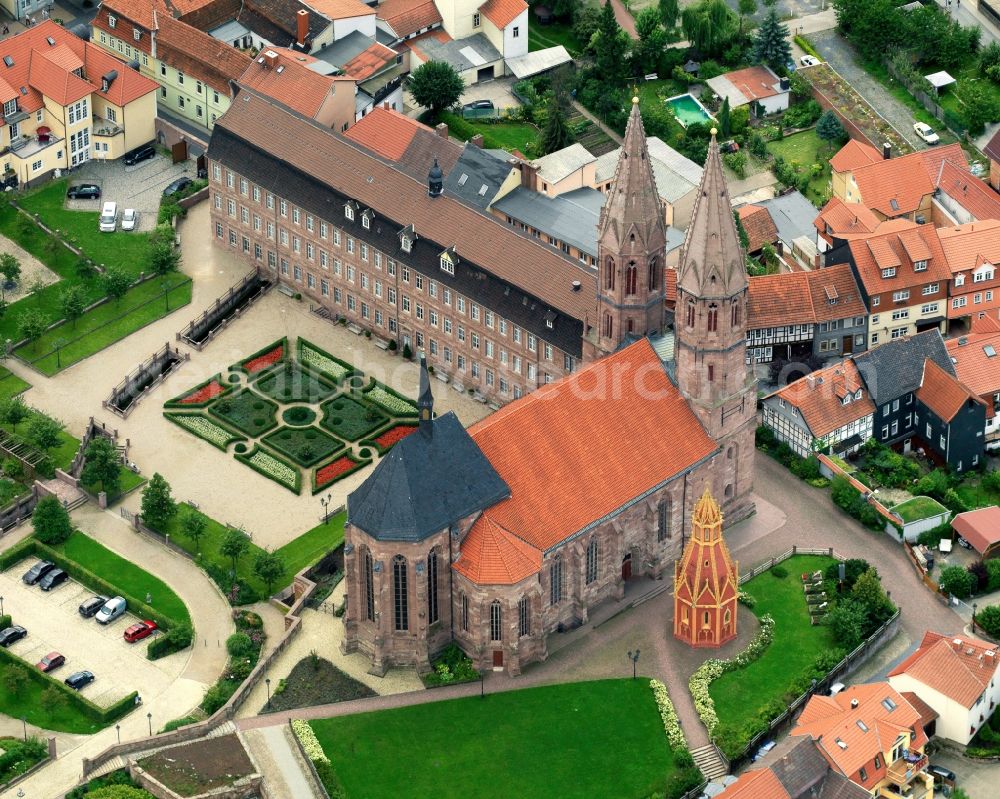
281 763
32 270
625 19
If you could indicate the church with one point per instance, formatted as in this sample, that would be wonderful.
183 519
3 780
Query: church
504 534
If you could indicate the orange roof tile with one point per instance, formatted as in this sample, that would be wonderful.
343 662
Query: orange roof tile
759 226
896 186
886 250
820 396
833 723
370 61
846 220
615 429
293 83
502 12
408 16
493 556
199 55
942 393
64 58
952 669
853 155
795 298
970 245
385 131
973 194
761 784
985 324
980 527
927 713
976 356
754 83
340 9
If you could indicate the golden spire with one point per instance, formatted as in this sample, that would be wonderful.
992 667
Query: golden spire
706 512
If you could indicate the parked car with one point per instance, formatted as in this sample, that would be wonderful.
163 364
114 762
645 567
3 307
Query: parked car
89 608
941 775
12 635
809 61
479 104
79 679
38 571
51 662
177 186
963 543
111 610
130 218
836 688
139 631
84 191
52 579
109 217
926 132
140 154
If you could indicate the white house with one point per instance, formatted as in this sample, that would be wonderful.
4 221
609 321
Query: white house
957 677
757 87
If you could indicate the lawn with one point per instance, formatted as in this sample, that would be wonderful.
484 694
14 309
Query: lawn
541 37
974 494
23 755
127 481
919 508
351 420
107 324
806 149
246 411
27 703
10 384
125 575
312 545
586 739
306 446
291 383
742 695
11 490
500 135
62 455
126 250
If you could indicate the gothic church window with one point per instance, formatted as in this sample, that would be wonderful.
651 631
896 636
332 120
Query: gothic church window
369 585
432 587
523 617
631 278
496 621
713 318
592 555
401 615
555 582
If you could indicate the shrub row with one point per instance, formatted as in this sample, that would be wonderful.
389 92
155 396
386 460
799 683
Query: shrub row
310 744
174 640
807 46
282 342
352 370
234 436
246 459
850 500
671 724
175 402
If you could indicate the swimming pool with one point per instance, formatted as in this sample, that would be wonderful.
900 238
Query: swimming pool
688 109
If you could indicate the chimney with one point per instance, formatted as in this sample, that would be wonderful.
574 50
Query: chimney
529 176
301 26
441 129
854 703
270 59
386 105
779 247
886 151
477 141
785 84
957 643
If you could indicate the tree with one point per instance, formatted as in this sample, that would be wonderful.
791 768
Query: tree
436 85
669 10
15 411
710 26
164 257
103 465
869 592
193 526
847 622
72 301
116 282
556 134
269 567
747 8
44 431
956 581
50 521
724 118
770 44
10 268
31 324
234 546
158 505
652 40
978 105
989 619
611 47
830 129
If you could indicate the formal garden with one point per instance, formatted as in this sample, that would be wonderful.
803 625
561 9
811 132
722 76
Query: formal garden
373 754
314 681
296 415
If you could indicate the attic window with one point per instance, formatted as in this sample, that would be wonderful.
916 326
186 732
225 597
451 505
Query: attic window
406 243
447 265
51 41
461 180
920 266
482 190
847 399
857 394
890 272
136 34
112 21
861 725
366 220
990 351
550 320
840 743
893 204
349 212
8 61
888 704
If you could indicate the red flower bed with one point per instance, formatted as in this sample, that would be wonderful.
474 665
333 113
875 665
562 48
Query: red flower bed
394 436
204 394
333 471
261 362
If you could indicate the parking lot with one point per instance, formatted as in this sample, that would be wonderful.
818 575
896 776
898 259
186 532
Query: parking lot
139 187
54 624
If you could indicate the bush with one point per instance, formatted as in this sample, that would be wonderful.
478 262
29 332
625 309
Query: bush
980 576
218 695
933 484
806 468
765 437
5 621
176 639
239 646
802 115
51 521
993 574
989 619
780 572
957 581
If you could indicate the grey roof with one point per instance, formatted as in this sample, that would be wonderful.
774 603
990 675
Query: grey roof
524 66
802 770
229 31
793 215
425 484
571 217
896 368
676 176
362 100
562 163
471 52
474 170
343 50
675 238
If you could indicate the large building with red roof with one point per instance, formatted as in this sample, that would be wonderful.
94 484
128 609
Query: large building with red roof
65 102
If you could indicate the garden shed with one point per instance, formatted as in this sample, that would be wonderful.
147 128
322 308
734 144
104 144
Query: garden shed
939 80
918 515
981 528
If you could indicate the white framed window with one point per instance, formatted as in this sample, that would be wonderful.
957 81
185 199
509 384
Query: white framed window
901 296
447 265
349 212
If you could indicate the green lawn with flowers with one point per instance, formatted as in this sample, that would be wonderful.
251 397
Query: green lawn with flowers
585 739
744 696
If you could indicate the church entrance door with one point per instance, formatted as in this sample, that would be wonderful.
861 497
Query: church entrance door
497 658
627 566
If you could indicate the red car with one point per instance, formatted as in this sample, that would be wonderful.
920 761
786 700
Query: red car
139 631
51 661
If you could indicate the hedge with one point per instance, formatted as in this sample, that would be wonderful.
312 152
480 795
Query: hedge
403 398
245 459
352 370
175 402
371 442
174 640
807 46
87 708
173 417
240 367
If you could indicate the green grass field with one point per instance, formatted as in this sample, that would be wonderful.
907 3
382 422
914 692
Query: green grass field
589 739
128 481
500 135
10 384
806 149
313 544
27 703
741 695
542 37
124 574
62 455
106 325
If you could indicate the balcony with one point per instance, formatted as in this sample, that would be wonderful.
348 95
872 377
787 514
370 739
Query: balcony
105 127
903 770
917 790
27 147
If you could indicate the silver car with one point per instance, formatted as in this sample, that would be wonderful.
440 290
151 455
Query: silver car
113 608
130 218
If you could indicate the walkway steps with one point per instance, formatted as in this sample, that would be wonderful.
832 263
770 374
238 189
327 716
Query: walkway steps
707 759
228 728
112 765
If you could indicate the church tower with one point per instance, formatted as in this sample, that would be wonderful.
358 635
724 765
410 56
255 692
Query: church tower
710 337
631 237
706 581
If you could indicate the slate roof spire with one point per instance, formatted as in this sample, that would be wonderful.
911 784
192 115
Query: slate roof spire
425 402
435 180
712 263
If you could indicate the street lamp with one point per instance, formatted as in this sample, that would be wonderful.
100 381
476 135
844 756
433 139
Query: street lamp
267 682
482 684
149 718
118 729
325 502
974 608
24 724
634 657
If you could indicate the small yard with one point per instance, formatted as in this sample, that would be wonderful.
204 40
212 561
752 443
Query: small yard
913 510
559 740
806 149
196 768
10 384
496 135
542 37
127 481
315 681
60 456
19 756
30 703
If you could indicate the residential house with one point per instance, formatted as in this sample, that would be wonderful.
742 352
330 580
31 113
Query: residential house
758 86
992 151
951 418
839 222
759 227
975 358
962 197
796 315
827 411
853 155
794 769
903 275
956 675
981 529
893 373
972 252
873 736
65 102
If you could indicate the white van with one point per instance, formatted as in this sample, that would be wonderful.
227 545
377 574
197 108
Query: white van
112 609
109 218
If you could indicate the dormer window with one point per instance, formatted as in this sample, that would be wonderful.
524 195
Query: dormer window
366 220
920 266
406 243
349 212
982 274
137 34
959 280
890 272
447 265
550 320
847 399
112 21
857 394
10 107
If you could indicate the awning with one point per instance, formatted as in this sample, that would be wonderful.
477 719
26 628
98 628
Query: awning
524 66
940 79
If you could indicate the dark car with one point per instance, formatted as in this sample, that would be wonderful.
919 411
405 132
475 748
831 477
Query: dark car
942 775
140 154
12 634
52 579
177 186
79 679
38 571
84 191
51 662
89 608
